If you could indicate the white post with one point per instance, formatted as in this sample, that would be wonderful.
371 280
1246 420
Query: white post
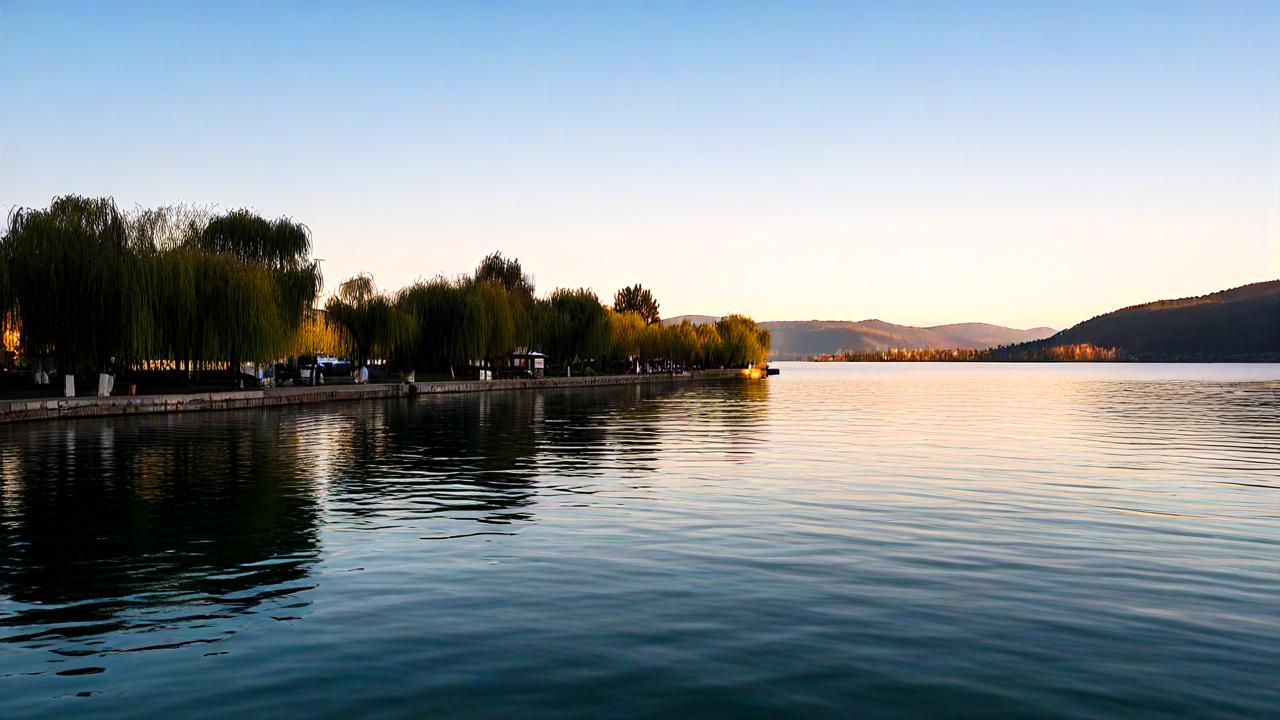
69 385
104 384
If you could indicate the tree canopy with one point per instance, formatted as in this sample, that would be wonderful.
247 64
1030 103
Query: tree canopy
636 299
91 287
369 321
86 286
508 273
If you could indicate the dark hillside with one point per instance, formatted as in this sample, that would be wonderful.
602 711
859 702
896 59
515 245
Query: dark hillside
1238 324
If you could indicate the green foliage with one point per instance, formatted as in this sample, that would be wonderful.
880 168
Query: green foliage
438 310
234 299
77 282
463 320
92 286
741 341
571 325
282 246
506 318
628 336
317 335
369 321
636 299
508 273
87 286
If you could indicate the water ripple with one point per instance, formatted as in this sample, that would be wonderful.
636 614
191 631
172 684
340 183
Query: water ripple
887 540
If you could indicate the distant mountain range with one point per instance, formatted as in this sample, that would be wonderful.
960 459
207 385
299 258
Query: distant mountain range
795 339
1238 324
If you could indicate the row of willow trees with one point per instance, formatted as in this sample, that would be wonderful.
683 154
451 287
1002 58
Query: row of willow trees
86 287
444 323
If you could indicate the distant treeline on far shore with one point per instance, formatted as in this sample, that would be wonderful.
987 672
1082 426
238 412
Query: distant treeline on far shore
85 287
1083 352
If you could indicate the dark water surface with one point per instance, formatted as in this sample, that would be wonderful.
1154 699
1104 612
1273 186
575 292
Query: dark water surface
844 540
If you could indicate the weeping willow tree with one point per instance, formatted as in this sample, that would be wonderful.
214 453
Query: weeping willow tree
78 283
681 342
317 336
627 336
6 297
449 319
279 248
368 320
459 322
88 287
572 325
506 318
741 341
10 325
180 323
238 320
709 353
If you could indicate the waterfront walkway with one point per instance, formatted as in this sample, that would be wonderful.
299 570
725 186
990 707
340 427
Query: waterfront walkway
91 406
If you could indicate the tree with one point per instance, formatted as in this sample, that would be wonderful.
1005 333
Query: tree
282 247
742 342
450 322
626 336
506 318
572 325
77 283
637 300
317 335
368 320
681 342
508 273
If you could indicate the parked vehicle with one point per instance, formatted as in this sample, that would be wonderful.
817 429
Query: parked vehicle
330 365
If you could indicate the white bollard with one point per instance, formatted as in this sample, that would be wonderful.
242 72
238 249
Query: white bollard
69 385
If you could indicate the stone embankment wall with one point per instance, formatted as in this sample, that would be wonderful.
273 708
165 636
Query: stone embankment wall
78 407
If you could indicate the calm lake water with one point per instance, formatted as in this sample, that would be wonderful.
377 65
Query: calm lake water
868 540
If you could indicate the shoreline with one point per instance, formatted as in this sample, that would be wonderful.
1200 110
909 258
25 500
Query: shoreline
63 408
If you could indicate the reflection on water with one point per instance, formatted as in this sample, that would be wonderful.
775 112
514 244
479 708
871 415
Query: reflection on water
152 533
892 540
163 532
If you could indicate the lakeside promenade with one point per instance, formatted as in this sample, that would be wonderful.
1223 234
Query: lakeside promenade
32 409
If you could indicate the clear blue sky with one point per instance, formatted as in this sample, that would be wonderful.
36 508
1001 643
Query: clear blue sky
1018 163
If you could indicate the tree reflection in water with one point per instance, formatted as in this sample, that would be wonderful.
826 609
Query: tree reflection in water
131 533
140 533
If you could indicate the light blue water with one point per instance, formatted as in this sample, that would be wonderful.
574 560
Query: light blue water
868 540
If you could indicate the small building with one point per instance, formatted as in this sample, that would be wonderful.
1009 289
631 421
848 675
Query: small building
531 361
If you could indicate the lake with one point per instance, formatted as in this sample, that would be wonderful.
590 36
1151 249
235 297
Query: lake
865 540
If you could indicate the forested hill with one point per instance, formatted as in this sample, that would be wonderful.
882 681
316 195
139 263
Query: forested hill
1238 324
796 339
